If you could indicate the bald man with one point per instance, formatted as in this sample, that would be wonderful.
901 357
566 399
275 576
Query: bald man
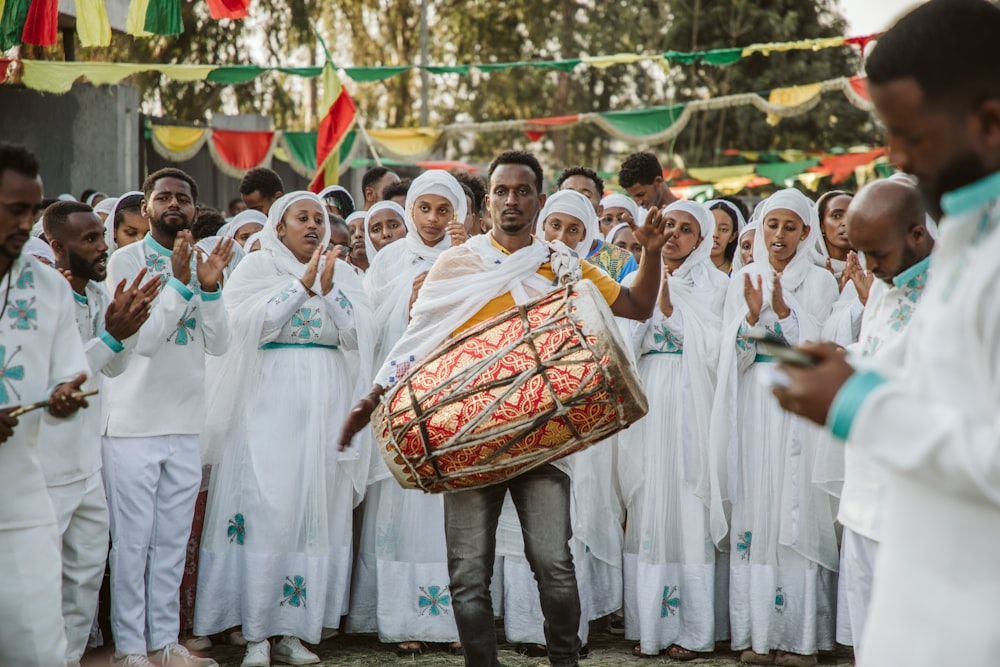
885 221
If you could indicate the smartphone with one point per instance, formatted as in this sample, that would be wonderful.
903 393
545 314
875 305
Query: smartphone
775 347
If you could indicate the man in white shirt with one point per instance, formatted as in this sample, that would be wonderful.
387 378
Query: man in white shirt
152 462
886 222
40 357
932 422
71 448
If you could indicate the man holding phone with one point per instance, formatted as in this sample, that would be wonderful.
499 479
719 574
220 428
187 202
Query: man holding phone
932 421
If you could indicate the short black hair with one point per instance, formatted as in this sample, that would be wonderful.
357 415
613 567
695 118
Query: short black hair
823 202
86 193
730 251
339 222
18 158
169 172
263 180
398 189
208 223
474 184
948 46
641 167
586 172
519 157
373 176
56 216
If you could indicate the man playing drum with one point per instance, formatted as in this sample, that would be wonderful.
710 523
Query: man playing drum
468 285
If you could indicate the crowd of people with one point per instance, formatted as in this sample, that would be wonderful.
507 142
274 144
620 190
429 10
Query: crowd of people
205 382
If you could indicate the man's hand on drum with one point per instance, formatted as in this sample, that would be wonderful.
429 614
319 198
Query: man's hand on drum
359 417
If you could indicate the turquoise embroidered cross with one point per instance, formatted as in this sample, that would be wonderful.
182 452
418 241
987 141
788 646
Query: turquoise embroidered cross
743 546
157 263
667 341
671 601
434 600
779 600
900 316
344 302
306 319
294 591
26 279
185 327
237 531
10 374
22 311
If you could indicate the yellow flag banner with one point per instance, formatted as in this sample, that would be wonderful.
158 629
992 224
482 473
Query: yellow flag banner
800 45
406 142
178 143
603 62
715 174
92 23
794 99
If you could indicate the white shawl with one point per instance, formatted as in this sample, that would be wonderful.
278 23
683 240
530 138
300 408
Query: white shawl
572 203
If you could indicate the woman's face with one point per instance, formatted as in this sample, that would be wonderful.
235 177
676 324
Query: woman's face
246 231
564 227
783 231
834 222
746 247
625 239
683 236
384 227
133 228
725 232
358 250
302 228
614 215
432 214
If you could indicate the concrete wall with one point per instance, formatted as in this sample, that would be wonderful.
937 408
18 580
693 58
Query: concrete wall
87 138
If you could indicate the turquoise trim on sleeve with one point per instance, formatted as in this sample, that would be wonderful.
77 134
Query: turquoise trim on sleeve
212 296
849 400
80 298
181 288
111 342
910 273
971 196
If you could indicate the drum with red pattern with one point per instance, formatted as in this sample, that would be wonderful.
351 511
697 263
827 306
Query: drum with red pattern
541 381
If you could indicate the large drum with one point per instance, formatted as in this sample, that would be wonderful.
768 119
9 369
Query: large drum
539 382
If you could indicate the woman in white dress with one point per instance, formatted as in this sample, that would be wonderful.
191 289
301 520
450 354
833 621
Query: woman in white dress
781 537
663 458
401 584
276 547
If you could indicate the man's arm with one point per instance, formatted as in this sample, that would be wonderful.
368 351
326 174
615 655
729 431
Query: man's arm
637 301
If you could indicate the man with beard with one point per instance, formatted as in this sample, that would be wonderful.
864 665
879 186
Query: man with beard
931 421
71 448
885 221
40 357
152 463
467 285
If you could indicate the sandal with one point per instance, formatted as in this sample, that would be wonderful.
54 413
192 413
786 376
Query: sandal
637 652
682 654
751 658
532 650
412 651
456 649
795 659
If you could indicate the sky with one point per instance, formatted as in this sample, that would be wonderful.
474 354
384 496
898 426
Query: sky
865 17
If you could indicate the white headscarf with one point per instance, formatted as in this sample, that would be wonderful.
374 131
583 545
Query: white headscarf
109 222
572 203
106 205
245 217
793 274
39 249
700 258
621 201
93 196
730 206
821 252
234 377
610 238
387 205
434 182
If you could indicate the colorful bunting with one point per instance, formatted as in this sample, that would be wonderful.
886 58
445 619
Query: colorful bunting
92 25
41 26
228 9
238 152
15 12
332 129
163 17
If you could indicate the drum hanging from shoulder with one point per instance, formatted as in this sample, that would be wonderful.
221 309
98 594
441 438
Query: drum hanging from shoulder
536 383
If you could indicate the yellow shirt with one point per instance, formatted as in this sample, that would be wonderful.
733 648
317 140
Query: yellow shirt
609 290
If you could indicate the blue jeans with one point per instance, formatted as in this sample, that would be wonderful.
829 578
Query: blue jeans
541 497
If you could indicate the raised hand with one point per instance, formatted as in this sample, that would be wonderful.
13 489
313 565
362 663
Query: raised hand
129 308
180 259
666 307
754 295
67 274
862 279
63 402
456 230
211 266
326 277
308 278
778 304
652 235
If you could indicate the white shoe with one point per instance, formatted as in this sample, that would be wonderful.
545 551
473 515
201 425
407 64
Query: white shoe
175 655
258 654
290 651
131 660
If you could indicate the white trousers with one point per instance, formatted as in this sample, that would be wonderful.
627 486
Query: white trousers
31 624
82 517
854 589
152 484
